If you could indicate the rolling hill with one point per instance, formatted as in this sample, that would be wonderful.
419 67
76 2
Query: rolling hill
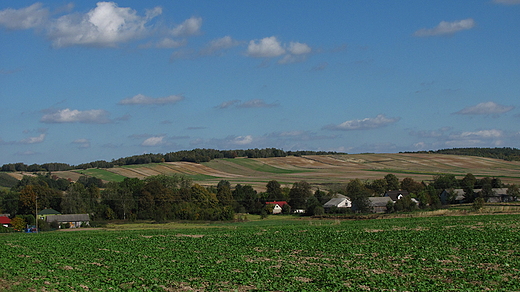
319 170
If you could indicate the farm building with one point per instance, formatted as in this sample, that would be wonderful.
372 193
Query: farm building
396 195
277 206
339 201
47 212
5 221
74 220
379 203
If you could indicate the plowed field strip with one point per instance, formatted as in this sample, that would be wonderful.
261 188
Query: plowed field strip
200 169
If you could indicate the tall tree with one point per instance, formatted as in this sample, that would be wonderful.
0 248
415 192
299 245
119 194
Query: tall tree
299 194
358 194
274 191
392 182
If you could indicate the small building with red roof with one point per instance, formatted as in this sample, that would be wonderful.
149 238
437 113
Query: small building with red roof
278 205
5 221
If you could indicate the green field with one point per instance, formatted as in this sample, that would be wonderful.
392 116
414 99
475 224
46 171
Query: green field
469 253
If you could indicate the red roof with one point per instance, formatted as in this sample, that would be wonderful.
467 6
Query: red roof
5 220
280 203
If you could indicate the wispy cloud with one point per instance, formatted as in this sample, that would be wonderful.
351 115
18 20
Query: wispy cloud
24 18
485 108
81 143
146 100
476 138
97 116
446 28
153 141
364 124
220 44
256 103
189 27
33 140
227 104
253 103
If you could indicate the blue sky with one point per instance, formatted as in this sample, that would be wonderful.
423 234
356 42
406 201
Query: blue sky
84 81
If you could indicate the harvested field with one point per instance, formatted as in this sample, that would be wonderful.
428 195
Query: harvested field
323 170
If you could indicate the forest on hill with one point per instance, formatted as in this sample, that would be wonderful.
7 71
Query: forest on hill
195 155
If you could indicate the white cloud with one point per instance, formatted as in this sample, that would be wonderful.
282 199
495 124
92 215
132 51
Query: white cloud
446 28
219 45
296 48
242 140
143 99
33 140
189 27
364 124
98 116
265 48
507 2
485 134
153 141
82 143
24 18
485 108
104 26
492 137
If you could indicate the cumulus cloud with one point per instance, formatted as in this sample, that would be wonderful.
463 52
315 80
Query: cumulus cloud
265 48
104 26
485 108
153 141
33 140
507 2
219 44
189 27
24 18
364 124
446 28
97 116
146 100
81 143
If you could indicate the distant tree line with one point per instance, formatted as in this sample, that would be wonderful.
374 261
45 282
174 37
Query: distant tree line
505 153
195 156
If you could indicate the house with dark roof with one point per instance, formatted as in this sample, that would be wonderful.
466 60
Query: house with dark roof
46 212
396 195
